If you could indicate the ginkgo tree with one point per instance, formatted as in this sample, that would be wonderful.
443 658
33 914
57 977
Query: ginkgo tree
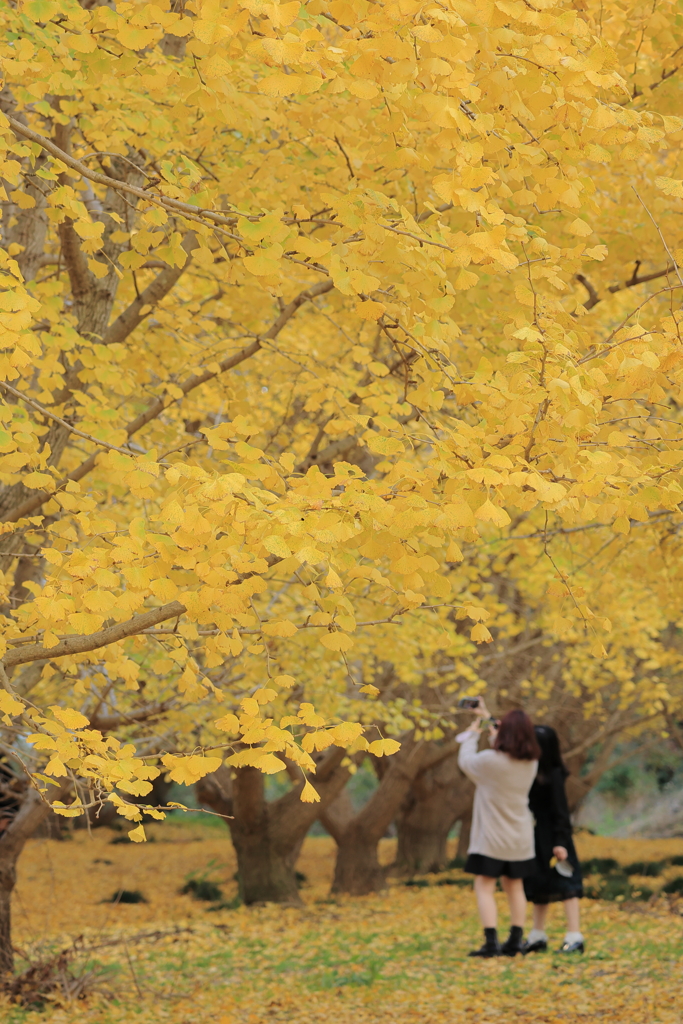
300 303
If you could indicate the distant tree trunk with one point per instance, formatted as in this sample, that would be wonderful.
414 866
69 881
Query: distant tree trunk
436 800
579 785
357 870
33 811
267 836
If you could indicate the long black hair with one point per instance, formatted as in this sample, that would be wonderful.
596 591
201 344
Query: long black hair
550 758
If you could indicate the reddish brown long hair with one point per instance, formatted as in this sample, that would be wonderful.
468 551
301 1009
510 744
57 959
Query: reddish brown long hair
517 738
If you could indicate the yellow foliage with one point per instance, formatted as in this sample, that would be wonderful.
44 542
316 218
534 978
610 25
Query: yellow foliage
325 327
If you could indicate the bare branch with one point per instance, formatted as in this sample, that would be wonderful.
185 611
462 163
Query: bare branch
633 281
593 297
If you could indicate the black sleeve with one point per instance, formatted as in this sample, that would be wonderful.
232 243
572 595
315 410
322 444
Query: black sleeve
562 826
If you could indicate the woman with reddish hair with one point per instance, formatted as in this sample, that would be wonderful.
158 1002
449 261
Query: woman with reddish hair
502 836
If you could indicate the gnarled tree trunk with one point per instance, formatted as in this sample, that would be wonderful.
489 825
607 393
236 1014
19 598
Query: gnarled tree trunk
436 800
268 835
33 811
357 869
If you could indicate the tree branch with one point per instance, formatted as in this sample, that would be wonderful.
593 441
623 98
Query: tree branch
92 641
426 214
633 282
152 295
107 723
57 419
40 497
165 202
439 758
80 277
593 297
34 809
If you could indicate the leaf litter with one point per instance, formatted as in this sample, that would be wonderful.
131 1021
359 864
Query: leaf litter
394 958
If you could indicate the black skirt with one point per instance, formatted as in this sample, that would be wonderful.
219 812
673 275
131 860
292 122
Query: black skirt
547 885
480 864
548 802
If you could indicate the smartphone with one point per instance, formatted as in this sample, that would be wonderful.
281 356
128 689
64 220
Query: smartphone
468 703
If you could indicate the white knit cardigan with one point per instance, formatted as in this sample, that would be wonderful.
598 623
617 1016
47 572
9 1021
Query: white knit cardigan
502 824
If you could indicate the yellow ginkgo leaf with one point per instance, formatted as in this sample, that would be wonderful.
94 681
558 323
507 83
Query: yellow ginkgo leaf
9 705
69 717
137 835
309 795
74 810
284 680
383 748
249 706
336 641
480 633
347 732
283 628
493 513
188 770
371 690
228 723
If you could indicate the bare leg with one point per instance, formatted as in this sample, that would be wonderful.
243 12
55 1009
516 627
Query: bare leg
540 912
514 890
573 912
484 889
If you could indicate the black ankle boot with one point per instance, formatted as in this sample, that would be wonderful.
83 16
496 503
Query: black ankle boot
491 945
513 944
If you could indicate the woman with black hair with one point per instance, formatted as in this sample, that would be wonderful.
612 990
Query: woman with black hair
560 882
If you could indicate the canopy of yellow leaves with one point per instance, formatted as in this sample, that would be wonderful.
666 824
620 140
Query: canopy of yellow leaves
376 336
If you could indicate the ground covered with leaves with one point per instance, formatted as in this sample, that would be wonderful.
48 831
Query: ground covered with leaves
394 958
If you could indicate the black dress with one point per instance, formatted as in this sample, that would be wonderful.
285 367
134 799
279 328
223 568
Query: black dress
548 803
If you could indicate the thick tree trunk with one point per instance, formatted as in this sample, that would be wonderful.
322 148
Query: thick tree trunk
267 836
8 877
357 870
265 860
436 800
32 813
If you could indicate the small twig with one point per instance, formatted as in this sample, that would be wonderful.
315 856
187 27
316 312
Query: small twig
560 574
659 232
46 412
346 157
132 971
593 297
119 156
529 61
